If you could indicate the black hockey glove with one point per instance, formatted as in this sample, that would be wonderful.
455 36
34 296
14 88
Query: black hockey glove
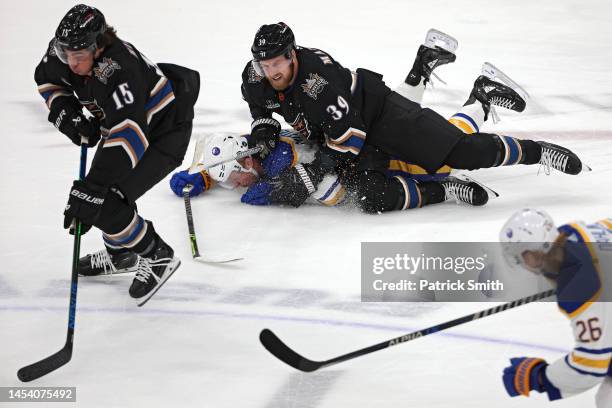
69 120
264 133
295 185
84 203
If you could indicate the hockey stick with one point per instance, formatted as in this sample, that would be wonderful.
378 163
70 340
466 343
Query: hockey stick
195 253
281 351
197 167
62 357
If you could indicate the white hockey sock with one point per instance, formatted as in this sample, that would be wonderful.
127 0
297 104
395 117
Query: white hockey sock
414 93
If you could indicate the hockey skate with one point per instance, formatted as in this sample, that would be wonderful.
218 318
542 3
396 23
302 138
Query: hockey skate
105 263
559 158
438 49
153 272
494 88
463 189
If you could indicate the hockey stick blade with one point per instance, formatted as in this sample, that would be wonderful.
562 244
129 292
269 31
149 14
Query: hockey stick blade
281 351
45 366
207 260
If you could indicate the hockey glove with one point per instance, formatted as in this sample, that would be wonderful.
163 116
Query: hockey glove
69 119
295 185
84 203
264 133
258 194
526 374
181 178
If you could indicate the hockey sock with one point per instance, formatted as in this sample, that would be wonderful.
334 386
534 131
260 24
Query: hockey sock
432 192
412 92
112 250
469 118
138 236
375 193
514 151
532 152
410 193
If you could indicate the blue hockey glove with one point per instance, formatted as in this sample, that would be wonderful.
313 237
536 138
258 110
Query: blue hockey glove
180 179
524 375
258 194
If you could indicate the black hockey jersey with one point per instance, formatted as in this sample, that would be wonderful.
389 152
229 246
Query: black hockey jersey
132 97
327 102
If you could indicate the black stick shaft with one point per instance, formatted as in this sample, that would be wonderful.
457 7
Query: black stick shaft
443 326
192 236
76 254
284 353
63 356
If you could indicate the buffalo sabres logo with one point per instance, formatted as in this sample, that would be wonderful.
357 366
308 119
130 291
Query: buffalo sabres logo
314 85
105 69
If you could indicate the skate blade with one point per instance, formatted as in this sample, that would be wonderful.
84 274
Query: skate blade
436 38
208 260
492 193
495 74
141 301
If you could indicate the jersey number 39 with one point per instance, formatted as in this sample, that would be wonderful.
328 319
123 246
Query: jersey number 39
336 113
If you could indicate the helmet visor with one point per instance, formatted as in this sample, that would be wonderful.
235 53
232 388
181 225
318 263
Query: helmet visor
272 66
67 55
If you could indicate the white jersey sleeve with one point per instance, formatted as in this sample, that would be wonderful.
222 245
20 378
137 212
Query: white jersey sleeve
589 363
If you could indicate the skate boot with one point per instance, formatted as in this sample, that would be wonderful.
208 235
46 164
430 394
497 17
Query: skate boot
439 49
494 88
153 271
465 190
559 158
105 263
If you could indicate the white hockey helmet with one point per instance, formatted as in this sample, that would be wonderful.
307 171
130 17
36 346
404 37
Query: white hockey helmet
225 146
527 230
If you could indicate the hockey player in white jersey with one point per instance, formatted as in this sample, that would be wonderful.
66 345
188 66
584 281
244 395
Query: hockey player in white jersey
577 259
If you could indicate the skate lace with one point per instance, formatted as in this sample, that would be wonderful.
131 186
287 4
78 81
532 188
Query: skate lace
502 102
145 268
437 78
101 259
459 192
552 159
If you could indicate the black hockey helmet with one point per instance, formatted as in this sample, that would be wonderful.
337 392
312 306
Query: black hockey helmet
81 28
272 40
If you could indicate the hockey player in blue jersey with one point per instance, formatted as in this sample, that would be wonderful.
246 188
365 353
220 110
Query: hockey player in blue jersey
577 259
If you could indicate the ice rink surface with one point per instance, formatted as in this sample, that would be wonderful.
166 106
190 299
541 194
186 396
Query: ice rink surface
195 344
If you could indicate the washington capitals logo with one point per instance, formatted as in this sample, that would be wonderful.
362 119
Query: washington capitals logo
314 85
105 69
253 77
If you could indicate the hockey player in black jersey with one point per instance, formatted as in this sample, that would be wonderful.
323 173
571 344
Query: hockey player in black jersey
357 120
143 113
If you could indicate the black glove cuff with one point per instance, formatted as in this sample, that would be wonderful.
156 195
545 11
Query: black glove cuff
301 171
265 122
